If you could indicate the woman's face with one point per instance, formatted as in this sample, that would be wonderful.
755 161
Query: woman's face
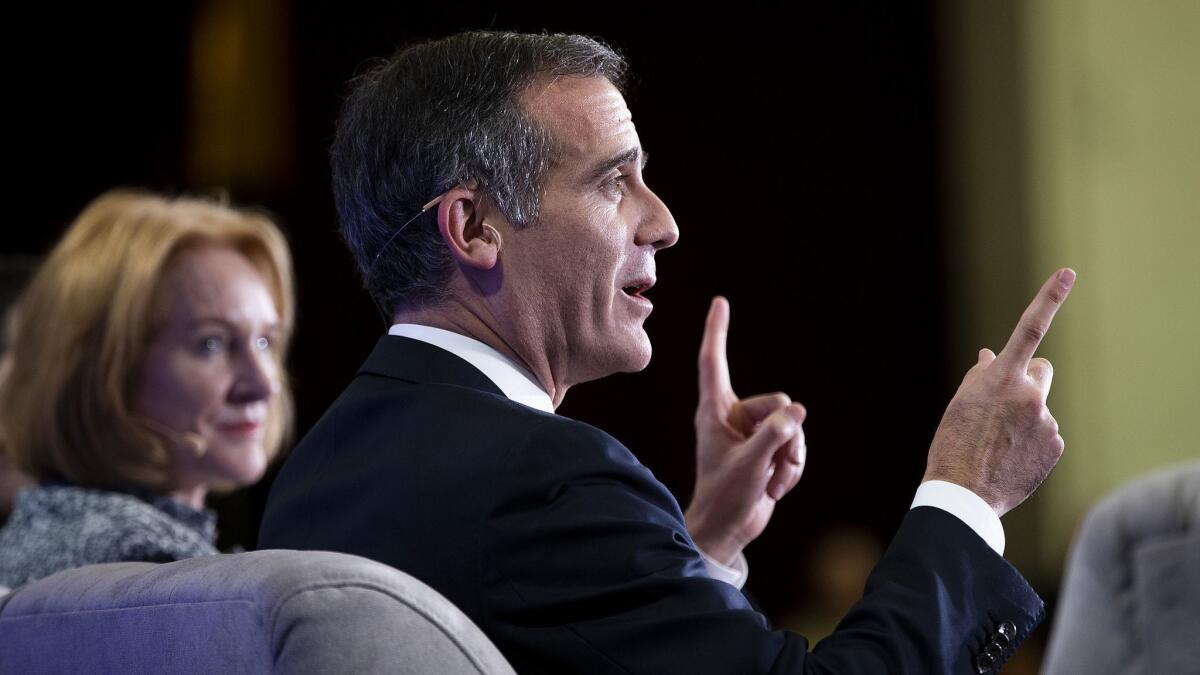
209 371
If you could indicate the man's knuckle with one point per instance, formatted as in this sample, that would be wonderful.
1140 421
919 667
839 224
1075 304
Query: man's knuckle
780 428
1033 332
1032 405
1010 378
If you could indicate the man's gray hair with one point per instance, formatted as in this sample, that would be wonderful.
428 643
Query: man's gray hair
436 115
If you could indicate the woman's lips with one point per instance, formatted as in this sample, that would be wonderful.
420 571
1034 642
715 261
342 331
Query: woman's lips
240 428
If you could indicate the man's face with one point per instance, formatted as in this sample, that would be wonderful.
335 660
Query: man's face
578 276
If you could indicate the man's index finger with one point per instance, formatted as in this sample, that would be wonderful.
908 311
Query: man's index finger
1035 321
714 368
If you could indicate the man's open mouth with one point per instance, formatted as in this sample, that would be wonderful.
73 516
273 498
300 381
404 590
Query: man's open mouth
637 288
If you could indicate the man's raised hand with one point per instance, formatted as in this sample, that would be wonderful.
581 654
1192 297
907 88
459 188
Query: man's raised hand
997 437
749 452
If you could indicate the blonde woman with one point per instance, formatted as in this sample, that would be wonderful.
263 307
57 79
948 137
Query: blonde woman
146 371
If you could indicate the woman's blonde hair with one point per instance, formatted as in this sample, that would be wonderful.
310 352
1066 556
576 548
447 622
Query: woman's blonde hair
83 324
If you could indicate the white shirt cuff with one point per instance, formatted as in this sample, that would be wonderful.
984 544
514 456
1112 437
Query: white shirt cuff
734 575
965 505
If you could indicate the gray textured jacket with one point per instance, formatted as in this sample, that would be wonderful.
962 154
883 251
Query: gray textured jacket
56 527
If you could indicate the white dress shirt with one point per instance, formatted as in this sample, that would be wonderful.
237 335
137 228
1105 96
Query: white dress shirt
520 385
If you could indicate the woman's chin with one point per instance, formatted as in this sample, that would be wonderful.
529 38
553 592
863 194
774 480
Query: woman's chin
245 467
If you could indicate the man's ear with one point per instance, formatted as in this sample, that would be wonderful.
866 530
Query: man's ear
462 216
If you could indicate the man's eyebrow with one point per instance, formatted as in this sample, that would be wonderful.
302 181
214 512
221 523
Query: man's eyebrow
613 162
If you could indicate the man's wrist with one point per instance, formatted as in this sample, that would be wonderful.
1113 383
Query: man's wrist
734 574
965 505
721 549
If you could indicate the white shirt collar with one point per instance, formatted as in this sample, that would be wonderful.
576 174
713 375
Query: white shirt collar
517 383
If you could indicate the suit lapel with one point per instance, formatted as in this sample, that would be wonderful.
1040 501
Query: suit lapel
407 359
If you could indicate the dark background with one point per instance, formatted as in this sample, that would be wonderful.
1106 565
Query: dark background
797 148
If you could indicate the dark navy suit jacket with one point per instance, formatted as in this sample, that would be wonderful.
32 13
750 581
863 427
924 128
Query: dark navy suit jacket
573 558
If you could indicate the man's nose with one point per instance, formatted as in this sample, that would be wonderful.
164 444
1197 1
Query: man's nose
658 226
257 377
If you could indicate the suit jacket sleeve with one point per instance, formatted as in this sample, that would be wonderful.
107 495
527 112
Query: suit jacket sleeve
587 567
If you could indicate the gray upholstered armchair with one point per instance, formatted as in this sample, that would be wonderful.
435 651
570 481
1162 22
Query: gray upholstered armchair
261 612
1131 597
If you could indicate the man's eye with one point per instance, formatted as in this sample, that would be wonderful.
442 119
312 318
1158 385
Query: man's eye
615 186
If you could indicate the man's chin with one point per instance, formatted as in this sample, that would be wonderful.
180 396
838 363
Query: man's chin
639 358
629 361
627 352
636 367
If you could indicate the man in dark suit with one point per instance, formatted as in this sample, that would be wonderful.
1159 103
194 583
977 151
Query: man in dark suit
490 187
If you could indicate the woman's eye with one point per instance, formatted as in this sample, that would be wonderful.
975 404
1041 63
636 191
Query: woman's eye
263 344
211 345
